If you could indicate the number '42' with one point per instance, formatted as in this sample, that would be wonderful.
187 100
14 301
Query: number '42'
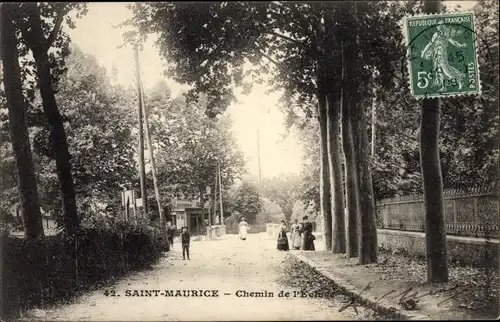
109 293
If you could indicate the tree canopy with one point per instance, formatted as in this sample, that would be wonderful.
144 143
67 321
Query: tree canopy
188 144
284 190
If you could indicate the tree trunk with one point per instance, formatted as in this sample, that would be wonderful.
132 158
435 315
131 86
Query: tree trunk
351 185
435 233
367 248
36 42
324 180
335 167
329 81
28 191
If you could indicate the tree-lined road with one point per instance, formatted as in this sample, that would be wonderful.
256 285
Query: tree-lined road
227 266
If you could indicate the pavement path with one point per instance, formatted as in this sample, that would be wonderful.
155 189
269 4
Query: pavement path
229 266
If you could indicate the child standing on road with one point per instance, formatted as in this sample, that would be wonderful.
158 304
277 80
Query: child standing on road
185 240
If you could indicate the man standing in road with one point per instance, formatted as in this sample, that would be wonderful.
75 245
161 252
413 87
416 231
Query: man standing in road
185 240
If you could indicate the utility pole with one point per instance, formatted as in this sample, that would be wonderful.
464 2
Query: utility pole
258 155
220 195
435 232
215 197
142 170
152 160
374 121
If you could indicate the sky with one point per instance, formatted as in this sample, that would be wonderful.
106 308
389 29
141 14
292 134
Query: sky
96 34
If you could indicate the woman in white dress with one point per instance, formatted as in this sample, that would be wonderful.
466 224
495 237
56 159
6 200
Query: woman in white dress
296 235
243 227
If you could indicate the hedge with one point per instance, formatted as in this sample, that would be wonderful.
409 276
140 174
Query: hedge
56 268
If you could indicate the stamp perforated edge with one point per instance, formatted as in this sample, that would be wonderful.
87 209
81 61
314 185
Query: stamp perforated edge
408 54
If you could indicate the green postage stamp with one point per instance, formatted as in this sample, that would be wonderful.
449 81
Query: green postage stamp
442 58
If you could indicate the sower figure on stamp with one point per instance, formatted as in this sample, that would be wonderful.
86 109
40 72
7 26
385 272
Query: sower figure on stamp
436 51
307 236
185 240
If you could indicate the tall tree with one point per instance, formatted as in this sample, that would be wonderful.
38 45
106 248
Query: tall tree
189 143
32 29
435 231
100 127
325 191
247 201
99 122
350 179
16 103
330 75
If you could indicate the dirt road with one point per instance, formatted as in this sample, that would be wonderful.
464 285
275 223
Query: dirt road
238 280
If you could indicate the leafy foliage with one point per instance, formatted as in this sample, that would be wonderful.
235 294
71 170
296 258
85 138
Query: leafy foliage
246 201
283 190
310 172
99 122
53 16
270 212
188 145
43 271
469 126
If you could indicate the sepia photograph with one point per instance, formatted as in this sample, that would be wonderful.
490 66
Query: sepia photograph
249 160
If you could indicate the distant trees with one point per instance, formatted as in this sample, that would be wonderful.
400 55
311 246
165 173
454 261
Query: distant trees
246 201
270 212
283 190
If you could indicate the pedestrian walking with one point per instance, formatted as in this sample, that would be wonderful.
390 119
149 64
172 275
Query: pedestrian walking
296 235
307 236
170 233
185 240
243 228
282 238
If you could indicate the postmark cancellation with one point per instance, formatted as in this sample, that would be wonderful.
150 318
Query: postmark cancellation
442 55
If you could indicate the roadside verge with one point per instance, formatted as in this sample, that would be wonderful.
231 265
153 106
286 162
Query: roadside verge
381 288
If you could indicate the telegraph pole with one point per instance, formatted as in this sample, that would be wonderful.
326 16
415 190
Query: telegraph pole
220 195
152 160
215 197
258 155
374 121
142 170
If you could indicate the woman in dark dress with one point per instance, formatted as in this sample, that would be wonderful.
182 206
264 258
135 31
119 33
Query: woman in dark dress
307 236
282 238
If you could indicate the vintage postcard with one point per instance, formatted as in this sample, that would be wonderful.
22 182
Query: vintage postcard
249 161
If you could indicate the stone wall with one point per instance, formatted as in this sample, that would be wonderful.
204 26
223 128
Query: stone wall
465 250
216 231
